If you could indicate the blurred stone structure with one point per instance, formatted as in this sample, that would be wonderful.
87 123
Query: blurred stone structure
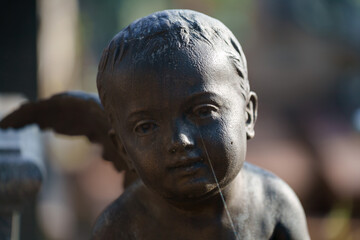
21 173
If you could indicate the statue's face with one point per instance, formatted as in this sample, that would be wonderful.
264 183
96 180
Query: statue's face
176 116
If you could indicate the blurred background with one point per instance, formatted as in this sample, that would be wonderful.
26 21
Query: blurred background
304 63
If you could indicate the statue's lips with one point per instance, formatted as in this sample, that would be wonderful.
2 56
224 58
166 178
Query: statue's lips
188 164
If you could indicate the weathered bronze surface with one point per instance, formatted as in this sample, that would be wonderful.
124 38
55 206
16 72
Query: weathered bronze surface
175 88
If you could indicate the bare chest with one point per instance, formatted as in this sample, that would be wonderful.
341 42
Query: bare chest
246 228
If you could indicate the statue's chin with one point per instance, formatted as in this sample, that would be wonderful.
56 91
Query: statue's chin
192 196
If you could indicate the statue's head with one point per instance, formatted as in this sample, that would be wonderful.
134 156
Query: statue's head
175 87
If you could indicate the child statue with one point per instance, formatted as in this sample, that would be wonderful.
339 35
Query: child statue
174 86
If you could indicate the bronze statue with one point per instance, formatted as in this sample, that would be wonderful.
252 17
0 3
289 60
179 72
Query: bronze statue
174 86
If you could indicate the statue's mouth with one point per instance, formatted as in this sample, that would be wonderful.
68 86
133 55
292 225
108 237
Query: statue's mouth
188 164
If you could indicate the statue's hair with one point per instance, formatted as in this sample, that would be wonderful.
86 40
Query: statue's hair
154 36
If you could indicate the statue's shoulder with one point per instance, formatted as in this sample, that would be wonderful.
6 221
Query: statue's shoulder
263 179
273 190
115 222
264 184
280 201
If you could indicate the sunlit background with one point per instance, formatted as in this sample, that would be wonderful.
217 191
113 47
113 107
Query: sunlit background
304 64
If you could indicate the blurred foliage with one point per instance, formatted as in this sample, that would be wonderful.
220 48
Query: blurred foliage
338 222
132 10
331 18
98 23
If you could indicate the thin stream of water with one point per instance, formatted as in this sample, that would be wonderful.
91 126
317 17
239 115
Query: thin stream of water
218 186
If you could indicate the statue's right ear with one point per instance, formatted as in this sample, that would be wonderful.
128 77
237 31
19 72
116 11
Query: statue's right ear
120 148
251 114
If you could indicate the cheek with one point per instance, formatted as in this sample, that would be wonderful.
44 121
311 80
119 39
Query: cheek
237 135
226 146
146 155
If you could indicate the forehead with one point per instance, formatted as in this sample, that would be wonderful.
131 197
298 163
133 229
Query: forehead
172 77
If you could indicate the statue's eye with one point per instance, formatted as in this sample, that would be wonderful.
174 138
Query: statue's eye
205 110
145 127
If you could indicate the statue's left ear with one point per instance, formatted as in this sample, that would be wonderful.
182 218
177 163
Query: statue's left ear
251 114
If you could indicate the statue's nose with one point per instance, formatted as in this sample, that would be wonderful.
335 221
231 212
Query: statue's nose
181 139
